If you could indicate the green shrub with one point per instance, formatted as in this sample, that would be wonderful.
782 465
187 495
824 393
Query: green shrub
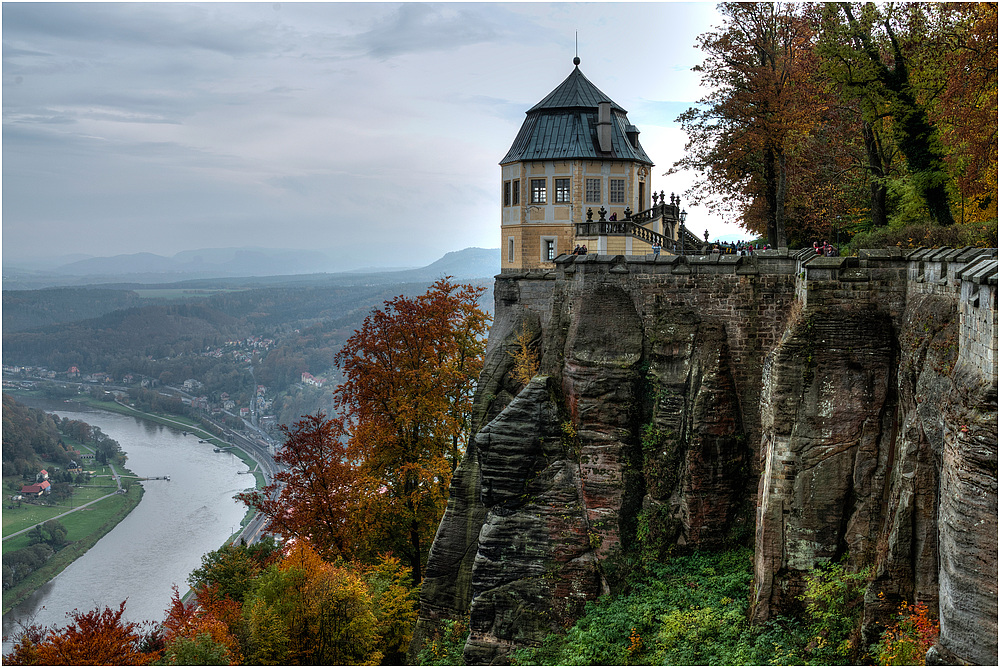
834 601
444 647
928 235
692 610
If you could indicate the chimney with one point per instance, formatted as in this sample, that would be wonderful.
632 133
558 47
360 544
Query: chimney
604 126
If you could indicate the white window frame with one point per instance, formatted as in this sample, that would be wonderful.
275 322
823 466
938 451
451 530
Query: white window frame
545 244
616 196
539 195
563 193
593 193
510 250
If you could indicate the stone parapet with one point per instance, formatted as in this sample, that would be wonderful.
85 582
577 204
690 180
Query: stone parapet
741 289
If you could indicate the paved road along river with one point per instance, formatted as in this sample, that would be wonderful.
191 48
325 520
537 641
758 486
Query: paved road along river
162 540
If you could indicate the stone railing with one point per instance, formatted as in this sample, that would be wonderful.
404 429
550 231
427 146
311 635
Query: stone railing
618 228
623 228
649 215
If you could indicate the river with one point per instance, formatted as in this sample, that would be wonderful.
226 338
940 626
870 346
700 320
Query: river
162 540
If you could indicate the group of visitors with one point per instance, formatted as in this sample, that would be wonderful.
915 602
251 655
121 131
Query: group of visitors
738 248
825 249
580 250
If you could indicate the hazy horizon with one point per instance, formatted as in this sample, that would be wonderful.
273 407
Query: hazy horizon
370 131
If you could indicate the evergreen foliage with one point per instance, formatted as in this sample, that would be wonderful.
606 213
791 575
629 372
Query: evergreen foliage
693 610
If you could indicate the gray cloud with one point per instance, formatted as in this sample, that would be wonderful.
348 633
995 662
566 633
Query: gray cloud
143 25
416 27
162 127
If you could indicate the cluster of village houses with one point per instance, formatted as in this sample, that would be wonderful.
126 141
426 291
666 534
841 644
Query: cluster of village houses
43 486
261 403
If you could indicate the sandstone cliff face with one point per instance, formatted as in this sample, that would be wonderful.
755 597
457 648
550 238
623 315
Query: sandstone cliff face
827 423
675 400
631 426
878 444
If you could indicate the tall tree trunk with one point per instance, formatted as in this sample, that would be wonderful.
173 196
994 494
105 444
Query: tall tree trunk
923 156
770 197
779 203
876 175
415 546
914 131
411 507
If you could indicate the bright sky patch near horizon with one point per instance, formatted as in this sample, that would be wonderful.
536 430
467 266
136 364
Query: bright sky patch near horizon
371 132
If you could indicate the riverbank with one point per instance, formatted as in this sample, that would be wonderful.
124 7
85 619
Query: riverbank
184 424
83 529
86 528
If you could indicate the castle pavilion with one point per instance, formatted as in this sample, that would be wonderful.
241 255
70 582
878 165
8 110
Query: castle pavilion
576 174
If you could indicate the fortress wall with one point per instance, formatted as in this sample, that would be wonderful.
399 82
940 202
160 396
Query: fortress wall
755 296
751 298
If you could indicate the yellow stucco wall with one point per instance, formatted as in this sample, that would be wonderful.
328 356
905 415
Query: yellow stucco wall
528 223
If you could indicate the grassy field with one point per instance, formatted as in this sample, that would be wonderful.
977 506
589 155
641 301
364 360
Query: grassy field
80 524
84 529
15 519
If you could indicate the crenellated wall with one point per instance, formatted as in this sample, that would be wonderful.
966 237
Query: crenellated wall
847 406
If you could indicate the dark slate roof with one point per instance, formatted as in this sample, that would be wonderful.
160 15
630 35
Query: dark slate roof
564 126
575 92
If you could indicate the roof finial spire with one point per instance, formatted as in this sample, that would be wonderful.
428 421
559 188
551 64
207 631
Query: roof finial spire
576 57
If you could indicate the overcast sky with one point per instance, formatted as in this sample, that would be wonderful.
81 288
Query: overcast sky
369 131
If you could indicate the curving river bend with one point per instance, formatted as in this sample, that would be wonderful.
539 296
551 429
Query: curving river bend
162 540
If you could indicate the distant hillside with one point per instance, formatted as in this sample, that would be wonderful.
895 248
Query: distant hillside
27 309
191 324
305 296
227 263
463 265
217 261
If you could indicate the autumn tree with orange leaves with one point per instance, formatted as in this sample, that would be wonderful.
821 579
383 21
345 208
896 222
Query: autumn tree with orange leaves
99 637
315 493
196 636
406 401
374 479
764 100
825 117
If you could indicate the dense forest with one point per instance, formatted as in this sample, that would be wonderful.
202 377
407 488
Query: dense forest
30 309
30 436
841 118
